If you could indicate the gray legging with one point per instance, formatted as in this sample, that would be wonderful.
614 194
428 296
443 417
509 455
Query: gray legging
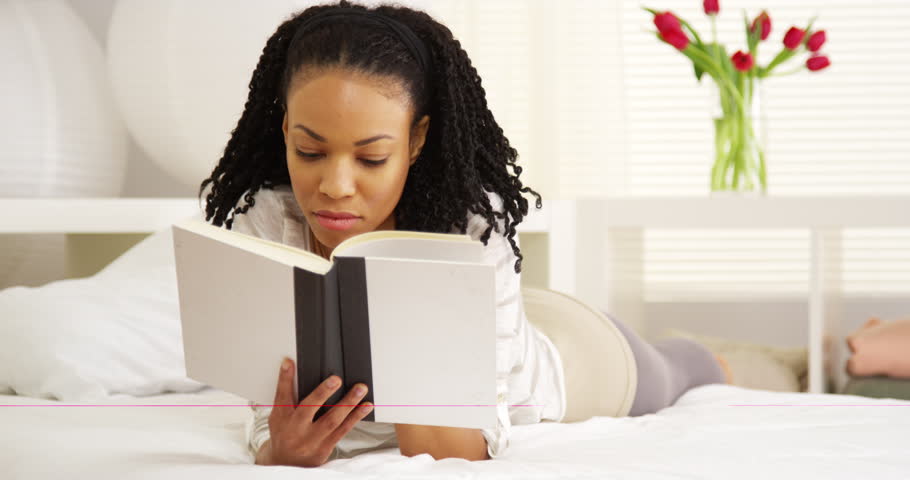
667 368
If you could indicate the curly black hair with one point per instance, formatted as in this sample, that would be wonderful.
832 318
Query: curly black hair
465 153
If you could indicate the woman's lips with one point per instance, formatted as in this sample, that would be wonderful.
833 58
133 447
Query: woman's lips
336 220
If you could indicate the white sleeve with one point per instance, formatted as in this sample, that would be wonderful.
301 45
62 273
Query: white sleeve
257 431
264 219
498 252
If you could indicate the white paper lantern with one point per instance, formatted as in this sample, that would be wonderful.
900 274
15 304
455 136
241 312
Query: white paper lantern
60 133
181 72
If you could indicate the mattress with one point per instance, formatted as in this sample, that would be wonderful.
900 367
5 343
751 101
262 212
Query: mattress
713 431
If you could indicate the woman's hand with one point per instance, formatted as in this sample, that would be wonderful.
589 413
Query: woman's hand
296 439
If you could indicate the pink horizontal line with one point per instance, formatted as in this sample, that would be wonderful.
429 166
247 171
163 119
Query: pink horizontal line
829 405
246 405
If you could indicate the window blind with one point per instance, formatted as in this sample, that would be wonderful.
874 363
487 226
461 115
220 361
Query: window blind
840 131
596 105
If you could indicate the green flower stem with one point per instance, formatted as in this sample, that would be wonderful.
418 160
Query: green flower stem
757 164
719 76
781 57
719 142
739 162
736 148
714 29
715 47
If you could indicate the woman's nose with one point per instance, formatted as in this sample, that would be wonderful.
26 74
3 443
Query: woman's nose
338 179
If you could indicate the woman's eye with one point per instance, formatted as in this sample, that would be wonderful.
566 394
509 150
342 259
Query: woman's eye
373 163
313 156
308 155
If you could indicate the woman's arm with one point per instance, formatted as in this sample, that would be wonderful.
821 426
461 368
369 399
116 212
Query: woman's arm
441 442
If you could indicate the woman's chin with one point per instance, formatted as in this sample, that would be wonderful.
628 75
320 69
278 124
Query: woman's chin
332 234
332 238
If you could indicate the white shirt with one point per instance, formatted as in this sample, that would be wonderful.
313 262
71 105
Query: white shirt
529 368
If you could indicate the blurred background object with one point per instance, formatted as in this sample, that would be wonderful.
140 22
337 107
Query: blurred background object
181 80
62 134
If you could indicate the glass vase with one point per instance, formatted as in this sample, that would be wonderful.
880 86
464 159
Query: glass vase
739 138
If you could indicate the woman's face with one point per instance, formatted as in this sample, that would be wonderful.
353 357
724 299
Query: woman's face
349 146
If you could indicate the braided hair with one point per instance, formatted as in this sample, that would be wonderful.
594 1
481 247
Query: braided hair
465 154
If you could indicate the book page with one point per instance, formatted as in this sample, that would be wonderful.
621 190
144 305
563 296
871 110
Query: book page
412 245
272 250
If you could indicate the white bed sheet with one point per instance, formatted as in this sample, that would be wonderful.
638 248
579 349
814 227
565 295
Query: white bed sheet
701 436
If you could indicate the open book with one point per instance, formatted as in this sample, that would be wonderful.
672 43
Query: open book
409 314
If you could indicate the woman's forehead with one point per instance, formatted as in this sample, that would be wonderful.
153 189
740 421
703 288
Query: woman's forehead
338 84
350 102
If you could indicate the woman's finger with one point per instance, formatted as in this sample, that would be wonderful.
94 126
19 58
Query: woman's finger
353 417
285 394
334 417
311 403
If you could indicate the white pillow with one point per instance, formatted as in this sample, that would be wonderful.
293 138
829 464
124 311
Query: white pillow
117 332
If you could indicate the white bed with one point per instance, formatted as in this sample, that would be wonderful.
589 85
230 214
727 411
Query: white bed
114 338
702 436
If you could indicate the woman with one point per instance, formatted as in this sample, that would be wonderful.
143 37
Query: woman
369 119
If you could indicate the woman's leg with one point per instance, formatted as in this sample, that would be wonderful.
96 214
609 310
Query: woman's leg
667 369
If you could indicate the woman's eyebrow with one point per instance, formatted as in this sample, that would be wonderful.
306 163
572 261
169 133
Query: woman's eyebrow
372 139
359 143
316 136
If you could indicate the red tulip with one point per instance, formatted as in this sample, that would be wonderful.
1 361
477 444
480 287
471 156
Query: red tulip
666 21
670 30
817 62
793 38
816 40
711 7
742 61
676 38
764 20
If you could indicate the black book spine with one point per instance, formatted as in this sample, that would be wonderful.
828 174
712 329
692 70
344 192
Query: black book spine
355 326
332 356
318 334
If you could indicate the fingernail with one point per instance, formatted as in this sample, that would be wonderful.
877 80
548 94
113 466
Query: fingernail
333 382
367 407
360 390
285 365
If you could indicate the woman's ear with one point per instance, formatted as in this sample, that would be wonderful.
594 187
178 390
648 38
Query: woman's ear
419 137
284 127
